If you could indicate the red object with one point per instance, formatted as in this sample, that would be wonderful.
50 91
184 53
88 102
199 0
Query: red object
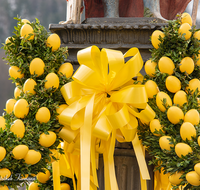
135 8
169 8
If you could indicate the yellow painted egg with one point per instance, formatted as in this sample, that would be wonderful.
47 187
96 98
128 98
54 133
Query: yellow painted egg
54 153
187 131
20 151
2 123
173 84
17 92
47 140
175 114
150 68
21 108
197 35
32 157
198 140
185 29
186 18
53 41
43 177
151 88
166 65
7 40
5 187
52 81
164 143
193 85
155 38
192 116
66 69
15 73
60 109
37 67
187 65
26 31
2 153
43 115
25 21
160 97
155 125
18 128
34 186
180 98
197 168
4 173
29 86
175 179
182 149
193 178
10 105
65 186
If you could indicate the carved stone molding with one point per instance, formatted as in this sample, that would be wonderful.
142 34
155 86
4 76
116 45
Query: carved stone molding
115 33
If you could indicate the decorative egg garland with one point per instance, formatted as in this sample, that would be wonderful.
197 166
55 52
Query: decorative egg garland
173 85
29 127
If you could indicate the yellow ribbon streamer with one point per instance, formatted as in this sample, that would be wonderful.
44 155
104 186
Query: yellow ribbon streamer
103 106
56 175
140 157
85 137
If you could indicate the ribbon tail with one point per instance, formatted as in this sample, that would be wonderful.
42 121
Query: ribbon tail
109 167
106 169
143 183
56 175
157 180
85 137
68 157
93 162
114 185
140 158
169 186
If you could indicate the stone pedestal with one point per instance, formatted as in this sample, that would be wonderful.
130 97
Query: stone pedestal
119 34
126 169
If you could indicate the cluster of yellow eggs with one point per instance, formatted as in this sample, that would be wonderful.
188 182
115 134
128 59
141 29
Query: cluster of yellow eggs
19 106
184 30
173 107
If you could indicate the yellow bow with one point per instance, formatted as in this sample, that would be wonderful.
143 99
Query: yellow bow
103 106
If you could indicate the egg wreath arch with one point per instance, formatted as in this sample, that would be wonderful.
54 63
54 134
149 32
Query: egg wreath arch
172 84
33 114
29 127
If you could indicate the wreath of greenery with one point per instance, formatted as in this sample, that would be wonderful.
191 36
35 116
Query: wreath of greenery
20 52
174 46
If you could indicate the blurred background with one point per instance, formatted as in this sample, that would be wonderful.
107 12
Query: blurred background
47 11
